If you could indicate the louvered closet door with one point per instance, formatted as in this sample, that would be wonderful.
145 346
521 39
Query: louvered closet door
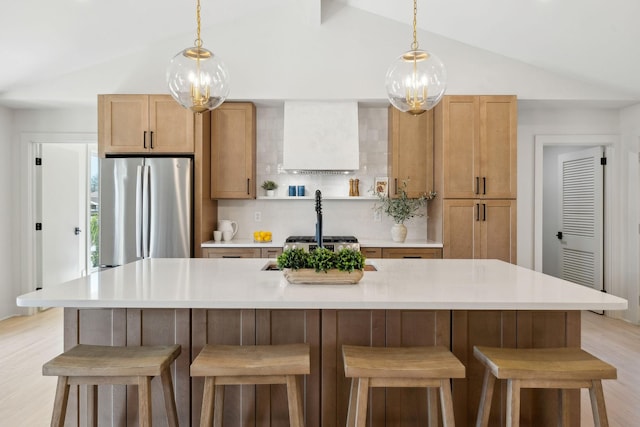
581 217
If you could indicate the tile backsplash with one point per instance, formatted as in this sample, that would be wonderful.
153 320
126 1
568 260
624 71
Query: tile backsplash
286 217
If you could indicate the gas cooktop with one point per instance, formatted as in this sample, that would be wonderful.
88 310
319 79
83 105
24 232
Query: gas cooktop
333 243
325 239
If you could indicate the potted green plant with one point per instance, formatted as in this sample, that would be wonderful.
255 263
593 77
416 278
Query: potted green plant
322 266
401 209
270 187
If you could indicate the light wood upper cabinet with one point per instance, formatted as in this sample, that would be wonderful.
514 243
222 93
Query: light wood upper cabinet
410 152
233 151
144 124
480 228
479 143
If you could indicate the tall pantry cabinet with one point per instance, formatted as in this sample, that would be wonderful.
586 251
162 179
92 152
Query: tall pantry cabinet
475 143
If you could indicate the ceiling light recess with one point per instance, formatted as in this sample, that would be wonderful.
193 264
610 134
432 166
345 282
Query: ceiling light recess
197 78
417 79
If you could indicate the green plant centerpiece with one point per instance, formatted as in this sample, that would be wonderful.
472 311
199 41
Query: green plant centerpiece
322 266
402 208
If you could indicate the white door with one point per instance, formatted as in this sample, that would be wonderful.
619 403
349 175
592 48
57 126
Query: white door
63 207
581 217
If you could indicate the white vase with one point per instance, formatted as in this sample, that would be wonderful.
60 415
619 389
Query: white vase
271 193
398 233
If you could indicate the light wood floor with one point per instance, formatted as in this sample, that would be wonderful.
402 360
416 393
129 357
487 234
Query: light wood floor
26 343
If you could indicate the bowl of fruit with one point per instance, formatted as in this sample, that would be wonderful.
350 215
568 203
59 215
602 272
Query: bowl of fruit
262 236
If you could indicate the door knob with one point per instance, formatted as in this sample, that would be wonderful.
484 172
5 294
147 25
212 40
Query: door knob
77 231
559 235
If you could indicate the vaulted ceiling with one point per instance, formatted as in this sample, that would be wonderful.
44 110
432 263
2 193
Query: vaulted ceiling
591 41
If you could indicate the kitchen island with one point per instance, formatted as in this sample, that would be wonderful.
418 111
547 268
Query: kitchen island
191 302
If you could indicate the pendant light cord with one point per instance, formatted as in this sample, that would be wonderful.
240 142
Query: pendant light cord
414 45
198 42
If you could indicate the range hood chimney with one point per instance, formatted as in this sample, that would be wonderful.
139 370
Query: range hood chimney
321 137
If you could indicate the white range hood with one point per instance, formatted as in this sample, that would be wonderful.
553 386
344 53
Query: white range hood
321 137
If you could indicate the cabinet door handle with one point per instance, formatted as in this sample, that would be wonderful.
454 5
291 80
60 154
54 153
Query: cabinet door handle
395 185
477 185
248 185
477 211
484 211
151 134
144 139
231 256
484 178
412 257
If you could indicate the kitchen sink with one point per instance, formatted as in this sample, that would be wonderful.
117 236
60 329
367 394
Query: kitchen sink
272 266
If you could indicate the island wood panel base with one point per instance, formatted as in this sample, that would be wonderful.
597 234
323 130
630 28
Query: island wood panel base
326 389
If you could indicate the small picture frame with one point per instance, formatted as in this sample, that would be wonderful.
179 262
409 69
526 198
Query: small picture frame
381 186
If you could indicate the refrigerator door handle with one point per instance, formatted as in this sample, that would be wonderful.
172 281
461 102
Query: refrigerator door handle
139 200
146 214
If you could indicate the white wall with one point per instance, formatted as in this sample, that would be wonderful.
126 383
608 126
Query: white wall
297 217
27 126
532 121
8 273
630 129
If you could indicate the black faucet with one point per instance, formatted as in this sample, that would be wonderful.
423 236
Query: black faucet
319 218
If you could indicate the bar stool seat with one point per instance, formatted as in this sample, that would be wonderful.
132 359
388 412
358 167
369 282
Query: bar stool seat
260 364
94 365
559 368
431 367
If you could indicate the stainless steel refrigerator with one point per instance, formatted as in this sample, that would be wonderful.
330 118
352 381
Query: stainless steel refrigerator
145 209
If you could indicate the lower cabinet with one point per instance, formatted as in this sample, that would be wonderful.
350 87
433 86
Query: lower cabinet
401 252
480 229
241 252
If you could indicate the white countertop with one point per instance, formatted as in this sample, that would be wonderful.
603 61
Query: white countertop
398 284
364 243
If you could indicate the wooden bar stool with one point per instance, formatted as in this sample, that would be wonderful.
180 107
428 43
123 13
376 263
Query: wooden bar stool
261 364
431 367
93 365
561 368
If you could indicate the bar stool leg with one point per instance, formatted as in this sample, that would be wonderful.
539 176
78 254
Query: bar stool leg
513 403
446 400
564 415
60 402
218 406
169 398
353 399
206 414
485 399
92 405
294 396
362 399
358 399
597 404
144 401
432 407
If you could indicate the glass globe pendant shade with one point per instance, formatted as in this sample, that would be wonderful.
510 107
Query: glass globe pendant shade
198 79
416 81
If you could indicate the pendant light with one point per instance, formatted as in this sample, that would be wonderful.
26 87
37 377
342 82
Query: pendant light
197 78
417 79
